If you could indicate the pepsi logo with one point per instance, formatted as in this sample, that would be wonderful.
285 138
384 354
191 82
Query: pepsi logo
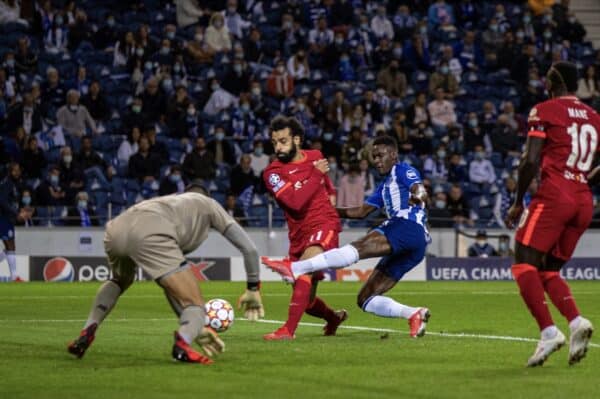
58 269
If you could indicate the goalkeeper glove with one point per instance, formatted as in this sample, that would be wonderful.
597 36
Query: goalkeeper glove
210 342
251 304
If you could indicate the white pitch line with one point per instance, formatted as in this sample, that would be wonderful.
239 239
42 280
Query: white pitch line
358 328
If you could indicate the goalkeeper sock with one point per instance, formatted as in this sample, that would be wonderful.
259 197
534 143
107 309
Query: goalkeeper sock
559 292
106 298
298 303
334 258
191 322
532 291
387 307
318 308
11 258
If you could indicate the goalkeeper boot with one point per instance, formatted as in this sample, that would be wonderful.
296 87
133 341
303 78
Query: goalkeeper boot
183 352
579 341
418 322
80 345
545 348
332 326
280 334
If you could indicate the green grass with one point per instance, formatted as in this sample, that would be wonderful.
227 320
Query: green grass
131 355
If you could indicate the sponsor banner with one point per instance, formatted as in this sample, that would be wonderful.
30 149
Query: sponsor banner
491 269
358 272
95 268
22 268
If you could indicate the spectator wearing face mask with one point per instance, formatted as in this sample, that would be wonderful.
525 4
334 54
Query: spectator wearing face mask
198 50
217 34
219 99
220 147
242 176
188 12
25 114
481 248
392 80
297 66
234 21
443 79
381 25
280 84
259 160
244 123
173 182
481 170
72 174
51 192
238 78
28 207
504 247
82 214
438 214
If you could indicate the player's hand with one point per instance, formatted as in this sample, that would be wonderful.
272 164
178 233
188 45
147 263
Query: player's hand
251 304
513 215
322 165
210 342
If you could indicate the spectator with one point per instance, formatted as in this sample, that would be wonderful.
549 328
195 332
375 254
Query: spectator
481 170
338 110
358 119
53 93
235 210
74 118
467 14
188 12
80 31
297 66
219 99
367 177
587 88
259 160
454 65
469 53
457 172
135 117
522 64
434 166
200 163
173 182
234 21
441 111
392 80
242 176
438 13
381 25
504 247
352 148
34 160
223 152
291 36
238 78
72 174
443 79
50 192
417 54
56 39
82 214
280 84
10 12
438 213
504 199
107 36
144 165
28 207
26 59
129 146
156 147
351 189
492 39
571 29
154 103
254 47
417 112
217 34
404 22
124 49
458 206
26 115
320 38
504 137
481 248
96 103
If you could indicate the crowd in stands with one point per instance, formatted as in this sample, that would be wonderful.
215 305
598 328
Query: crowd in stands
104 103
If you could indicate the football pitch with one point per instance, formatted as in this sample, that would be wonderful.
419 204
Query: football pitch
479 338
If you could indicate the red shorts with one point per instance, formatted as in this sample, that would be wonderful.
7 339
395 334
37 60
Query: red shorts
327 237
555 225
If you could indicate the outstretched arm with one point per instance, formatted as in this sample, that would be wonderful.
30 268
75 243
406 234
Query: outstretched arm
359 212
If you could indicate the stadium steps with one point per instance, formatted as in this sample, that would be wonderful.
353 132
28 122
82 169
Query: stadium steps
588 13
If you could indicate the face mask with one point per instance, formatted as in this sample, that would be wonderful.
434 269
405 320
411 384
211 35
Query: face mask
339 41
441 154
177 68
82 204
328 136
494 28
380 92
59 21
67 159
481 243
170 35
139 52
526 19
503 246
232 10
167 84
54 179
175 178
258 151
479 155
214 87
73 108
572 20
280 69
499 15
547 34
26 200
245 107
256 91
398 52
191 111
10 63
423 30
220 136
110 22
547 18
364 26
136 109
237 68
520 34
301 107
473 122
440 204
287 25
165 50
333 166
148 65
444 70
198 37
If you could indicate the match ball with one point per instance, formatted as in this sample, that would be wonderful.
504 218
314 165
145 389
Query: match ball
219 314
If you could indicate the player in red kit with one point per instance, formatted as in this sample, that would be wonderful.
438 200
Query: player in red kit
298 181
562 140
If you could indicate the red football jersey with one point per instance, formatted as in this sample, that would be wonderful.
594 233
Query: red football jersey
303 193
570 129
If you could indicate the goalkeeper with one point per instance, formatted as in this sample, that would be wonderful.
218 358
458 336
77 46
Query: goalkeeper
154 235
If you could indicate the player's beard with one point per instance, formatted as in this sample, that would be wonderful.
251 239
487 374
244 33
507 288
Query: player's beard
287 157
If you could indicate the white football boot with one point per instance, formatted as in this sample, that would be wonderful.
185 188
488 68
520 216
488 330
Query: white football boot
578 343
545 348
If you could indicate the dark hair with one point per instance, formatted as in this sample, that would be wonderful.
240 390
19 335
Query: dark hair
564 74
281 122
197 186
387 141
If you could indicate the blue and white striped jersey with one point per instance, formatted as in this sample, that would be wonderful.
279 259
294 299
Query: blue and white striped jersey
393 194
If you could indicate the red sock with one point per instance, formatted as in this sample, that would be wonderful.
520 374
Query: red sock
298 303
532 291
319 308
559 292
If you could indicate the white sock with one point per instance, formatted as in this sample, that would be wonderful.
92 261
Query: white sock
573 324
387 307
11 258
549 332
335 258
2 256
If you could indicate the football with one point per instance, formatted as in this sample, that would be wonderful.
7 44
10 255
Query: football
219 314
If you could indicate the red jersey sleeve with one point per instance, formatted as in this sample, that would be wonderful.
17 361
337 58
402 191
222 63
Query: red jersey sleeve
538 121
286 194
331 190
